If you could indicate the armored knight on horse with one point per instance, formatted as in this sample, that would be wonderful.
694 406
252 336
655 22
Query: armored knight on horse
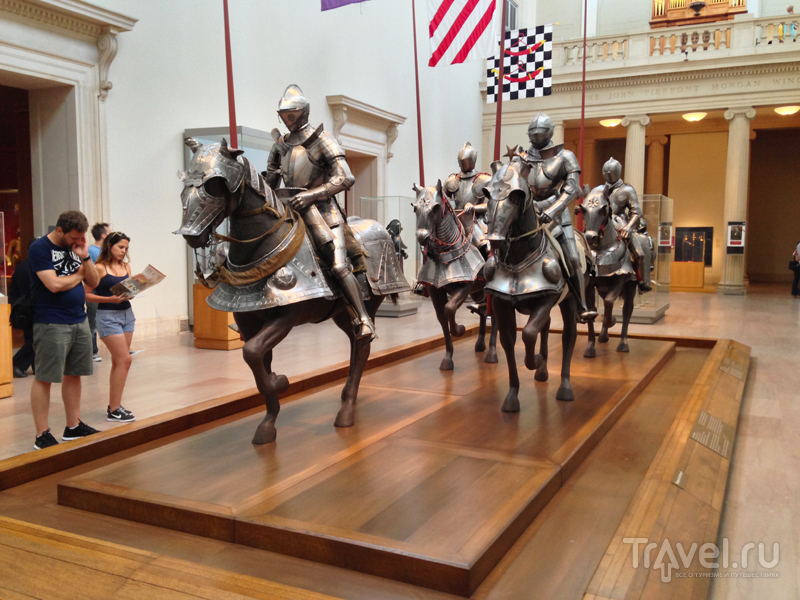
624 204
312 159
464 191
554 183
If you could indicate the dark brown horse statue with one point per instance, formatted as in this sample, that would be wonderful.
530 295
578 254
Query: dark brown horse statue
452 271
272 279
614 276
525 275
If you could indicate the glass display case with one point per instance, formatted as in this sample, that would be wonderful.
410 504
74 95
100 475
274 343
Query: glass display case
652 306
256 145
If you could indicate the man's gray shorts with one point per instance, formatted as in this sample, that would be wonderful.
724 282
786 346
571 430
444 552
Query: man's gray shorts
62 350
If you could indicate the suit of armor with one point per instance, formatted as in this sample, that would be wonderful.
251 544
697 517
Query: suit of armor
312 159
625 204
554 182
464 191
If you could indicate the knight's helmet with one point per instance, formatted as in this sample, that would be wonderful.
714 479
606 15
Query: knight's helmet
540 131
293 108
612 170
467 158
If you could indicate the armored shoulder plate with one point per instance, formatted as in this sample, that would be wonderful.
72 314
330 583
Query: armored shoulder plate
570 161
451 184
324 147
478 185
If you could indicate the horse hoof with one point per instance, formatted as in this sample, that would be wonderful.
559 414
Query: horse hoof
459 331
279 383
541 373
345 417
511 404
265 434
491 356
602 338
447 364
565 393
480 346
623 347
591 352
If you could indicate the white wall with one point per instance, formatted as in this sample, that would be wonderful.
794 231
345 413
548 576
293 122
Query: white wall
623 16
169 75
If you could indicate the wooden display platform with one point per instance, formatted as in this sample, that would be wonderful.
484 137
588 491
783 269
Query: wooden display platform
432 486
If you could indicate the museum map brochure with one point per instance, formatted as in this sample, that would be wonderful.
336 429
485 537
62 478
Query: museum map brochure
135 285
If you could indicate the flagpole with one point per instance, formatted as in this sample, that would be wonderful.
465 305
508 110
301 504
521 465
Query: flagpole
419 112
229 63
502 70
583 90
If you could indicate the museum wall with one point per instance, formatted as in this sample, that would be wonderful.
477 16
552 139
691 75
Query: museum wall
623 16
169 75
773 221
697 186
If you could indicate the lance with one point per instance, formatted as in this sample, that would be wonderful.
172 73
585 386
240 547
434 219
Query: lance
229 63
499 117
419 112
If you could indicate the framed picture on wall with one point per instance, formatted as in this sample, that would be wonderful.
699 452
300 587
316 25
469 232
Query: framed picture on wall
736 234
665 235
694 244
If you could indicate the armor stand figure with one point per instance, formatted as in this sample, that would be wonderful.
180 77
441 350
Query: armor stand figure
554 184
464 191
312 159
625 204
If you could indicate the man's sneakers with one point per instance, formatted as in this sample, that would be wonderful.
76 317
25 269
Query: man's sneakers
45 441
19 372
96 358
120 415
76 433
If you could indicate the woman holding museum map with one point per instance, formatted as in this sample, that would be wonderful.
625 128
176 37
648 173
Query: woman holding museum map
115 319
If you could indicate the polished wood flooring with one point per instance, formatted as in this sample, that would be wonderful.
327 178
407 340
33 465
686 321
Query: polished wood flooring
432 486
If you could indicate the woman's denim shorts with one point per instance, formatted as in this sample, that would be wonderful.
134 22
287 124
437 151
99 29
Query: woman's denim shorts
113 322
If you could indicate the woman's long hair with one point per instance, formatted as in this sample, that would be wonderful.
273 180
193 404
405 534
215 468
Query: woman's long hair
112 239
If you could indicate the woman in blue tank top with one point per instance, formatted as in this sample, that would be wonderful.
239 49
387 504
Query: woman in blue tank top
115 320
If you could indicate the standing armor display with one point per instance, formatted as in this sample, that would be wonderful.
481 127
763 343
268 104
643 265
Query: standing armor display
554 184
311 159
625 204
464 191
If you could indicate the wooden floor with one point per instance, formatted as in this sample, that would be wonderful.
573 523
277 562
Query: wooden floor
432 486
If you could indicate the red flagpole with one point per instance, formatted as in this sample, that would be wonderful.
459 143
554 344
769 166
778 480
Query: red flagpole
229 63
502 70
583 87
419 112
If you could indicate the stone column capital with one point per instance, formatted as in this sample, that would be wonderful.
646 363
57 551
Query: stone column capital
660 139
746 111
643 120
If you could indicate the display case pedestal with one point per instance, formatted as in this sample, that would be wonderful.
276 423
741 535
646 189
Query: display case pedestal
211 327
6 372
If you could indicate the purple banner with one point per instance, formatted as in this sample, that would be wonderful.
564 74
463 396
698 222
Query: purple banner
331 4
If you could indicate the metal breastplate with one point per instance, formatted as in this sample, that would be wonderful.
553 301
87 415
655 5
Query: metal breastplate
545 177
464 193
298 170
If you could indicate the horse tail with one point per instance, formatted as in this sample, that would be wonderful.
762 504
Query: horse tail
395 298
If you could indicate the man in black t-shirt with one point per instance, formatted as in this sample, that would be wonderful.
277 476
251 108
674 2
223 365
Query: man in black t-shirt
59 264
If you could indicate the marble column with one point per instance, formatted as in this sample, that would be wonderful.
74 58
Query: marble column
737 174
558 133
634 151
654 182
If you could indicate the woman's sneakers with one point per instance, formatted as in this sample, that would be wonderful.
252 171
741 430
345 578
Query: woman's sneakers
45 441
120 415
81 430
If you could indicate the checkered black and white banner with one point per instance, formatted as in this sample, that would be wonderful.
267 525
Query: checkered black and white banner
528 65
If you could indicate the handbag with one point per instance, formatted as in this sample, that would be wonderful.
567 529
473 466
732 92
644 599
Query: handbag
22 313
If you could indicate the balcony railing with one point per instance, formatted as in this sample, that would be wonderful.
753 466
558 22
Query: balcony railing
705 41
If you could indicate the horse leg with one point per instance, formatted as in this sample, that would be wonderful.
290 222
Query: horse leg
628 294
568 338
491 353
541 369
439 299
507 326
480 343
591 301
608 319
359 353
457 298
255 352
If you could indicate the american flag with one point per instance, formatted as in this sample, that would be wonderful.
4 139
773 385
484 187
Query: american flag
461 30
528 65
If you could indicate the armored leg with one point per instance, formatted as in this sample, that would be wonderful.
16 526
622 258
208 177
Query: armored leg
362 324
640 248
575 280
